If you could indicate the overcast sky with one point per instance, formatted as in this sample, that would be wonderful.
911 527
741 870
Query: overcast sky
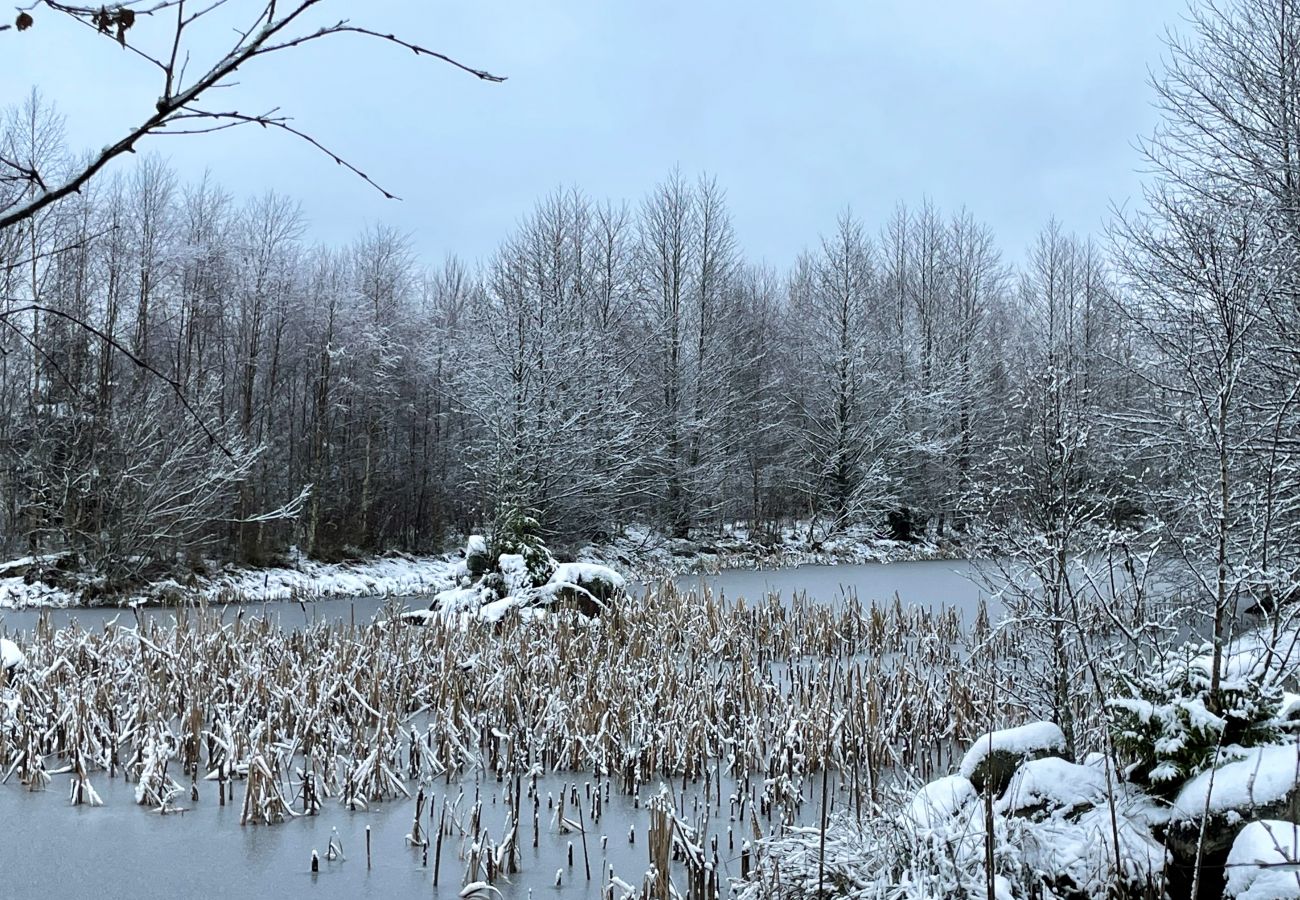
1017 109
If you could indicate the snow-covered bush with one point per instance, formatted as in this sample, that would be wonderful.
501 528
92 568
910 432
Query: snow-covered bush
1172 724
516 533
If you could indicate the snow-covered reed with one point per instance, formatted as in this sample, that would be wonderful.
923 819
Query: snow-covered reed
667 684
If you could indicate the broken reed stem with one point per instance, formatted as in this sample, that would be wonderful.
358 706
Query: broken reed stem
582 827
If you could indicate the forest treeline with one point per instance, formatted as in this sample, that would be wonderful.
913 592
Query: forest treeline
612 363
185 372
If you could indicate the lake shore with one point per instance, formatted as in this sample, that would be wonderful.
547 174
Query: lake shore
305 580
637 553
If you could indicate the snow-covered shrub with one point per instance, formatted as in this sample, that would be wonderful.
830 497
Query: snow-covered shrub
516 533
1169 721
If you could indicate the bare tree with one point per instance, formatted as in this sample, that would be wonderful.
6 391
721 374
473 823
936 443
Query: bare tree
268 29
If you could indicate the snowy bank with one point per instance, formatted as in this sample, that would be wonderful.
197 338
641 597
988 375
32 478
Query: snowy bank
396 574
652 554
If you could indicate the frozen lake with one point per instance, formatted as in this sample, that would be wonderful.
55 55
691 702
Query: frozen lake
933 583
123 849
959 584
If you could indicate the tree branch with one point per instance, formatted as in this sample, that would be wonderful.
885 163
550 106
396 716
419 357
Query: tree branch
266 35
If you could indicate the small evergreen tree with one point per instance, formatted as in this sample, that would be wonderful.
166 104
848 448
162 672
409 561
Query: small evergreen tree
515 531
1173 722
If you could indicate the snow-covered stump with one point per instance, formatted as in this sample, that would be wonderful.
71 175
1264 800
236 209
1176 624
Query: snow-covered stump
1213 808
586 587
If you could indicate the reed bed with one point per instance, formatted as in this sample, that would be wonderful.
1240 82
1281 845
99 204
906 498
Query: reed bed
666 685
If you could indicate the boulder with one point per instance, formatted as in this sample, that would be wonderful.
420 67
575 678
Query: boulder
1261 784
1050 786
937 804
12 659
993 758
1261 863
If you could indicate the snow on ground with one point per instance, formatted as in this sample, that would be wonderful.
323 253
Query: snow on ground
639 551
1262 775
1262 864
1255 656
396 574
652 554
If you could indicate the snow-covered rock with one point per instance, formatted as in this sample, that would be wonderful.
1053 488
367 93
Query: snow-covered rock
993 758
1078 853
585 573
457 600
1054 786
12 659
419 616
938 803
1263 863
587 586
1263 777
476 555
1263 783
